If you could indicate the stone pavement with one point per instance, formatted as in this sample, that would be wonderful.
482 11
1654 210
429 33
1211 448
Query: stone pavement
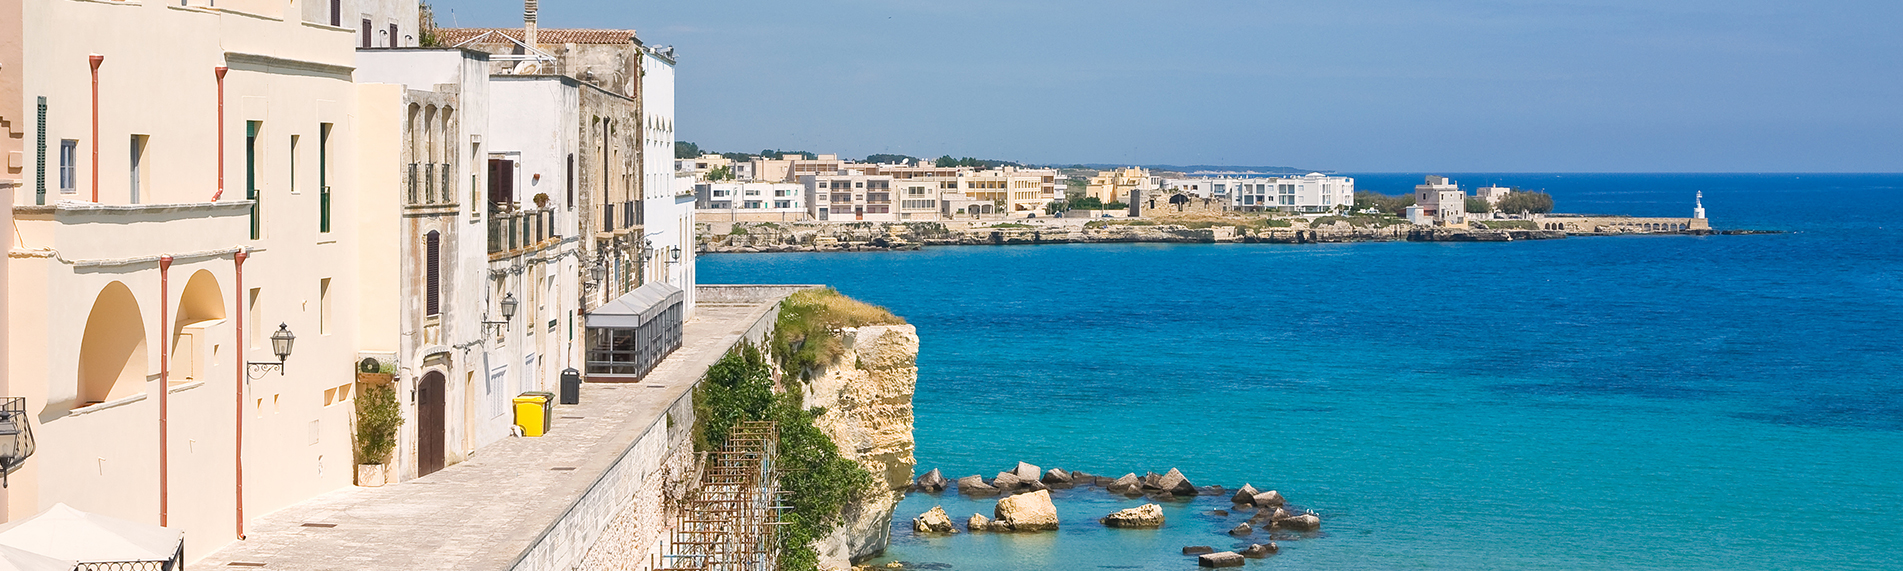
484 513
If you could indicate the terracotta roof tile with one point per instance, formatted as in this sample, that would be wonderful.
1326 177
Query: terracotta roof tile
458 36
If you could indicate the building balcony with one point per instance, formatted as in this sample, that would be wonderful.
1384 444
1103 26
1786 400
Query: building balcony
516 230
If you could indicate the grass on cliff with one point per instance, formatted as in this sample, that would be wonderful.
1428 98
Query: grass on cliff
806 336
739 388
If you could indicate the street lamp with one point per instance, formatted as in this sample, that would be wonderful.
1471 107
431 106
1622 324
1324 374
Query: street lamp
674 254
16 436
508 311
281 341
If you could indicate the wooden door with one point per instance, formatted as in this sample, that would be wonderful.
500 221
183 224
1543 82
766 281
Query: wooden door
429 423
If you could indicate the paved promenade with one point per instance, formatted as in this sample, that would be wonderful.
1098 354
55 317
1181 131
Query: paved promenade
484 513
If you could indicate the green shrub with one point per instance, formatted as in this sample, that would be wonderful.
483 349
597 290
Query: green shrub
378 417
804 338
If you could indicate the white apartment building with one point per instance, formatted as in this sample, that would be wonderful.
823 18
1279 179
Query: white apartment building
750 202
1441 201
1311 193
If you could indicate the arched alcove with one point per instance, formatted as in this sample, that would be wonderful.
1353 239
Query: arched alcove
112 360
199 305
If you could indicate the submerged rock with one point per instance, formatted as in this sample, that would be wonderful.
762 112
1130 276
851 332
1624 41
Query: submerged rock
1198 550
1026 512
975 486
1146 515
1056 476
1258 551
1219 559
934 521
1241 529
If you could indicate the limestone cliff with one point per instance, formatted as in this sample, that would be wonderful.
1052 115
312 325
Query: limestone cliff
867 395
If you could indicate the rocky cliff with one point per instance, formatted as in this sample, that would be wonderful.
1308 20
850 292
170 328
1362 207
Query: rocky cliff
867 394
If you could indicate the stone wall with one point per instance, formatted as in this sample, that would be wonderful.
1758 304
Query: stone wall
867 395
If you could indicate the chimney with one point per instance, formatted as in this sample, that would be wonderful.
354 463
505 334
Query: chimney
528 19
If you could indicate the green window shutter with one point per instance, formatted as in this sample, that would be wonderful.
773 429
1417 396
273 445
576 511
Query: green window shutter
39 180
323 178
251 173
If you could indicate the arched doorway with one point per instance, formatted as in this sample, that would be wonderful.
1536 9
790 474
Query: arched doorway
429 423
112 360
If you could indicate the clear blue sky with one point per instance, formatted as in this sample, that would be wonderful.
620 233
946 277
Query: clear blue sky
1381 85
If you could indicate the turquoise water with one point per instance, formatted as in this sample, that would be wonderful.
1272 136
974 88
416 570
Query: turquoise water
1725 402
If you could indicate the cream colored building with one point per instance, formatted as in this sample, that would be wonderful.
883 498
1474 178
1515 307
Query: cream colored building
1115 186
1441 201
178 230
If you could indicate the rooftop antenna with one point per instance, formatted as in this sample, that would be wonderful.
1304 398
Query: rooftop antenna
529 9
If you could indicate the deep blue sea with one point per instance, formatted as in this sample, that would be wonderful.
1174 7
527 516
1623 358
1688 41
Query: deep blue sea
1664 402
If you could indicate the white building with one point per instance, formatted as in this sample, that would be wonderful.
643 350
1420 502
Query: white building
1311 193
1441 201
669 231
750 202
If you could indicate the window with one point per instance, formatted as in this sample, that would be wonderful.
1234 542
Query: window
251 175
293 162
323 177
336 13
571 181
255 316
68 162
393 36
782 204
137 167
432 273
323 306
365 41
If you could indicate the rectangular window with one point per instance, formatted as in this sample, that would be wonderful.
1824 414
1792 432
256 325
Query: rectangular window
137 168
571 181
293 161
323 177
68 165
432 273
323 306
39 165
251 176
393 36
336 13
365 41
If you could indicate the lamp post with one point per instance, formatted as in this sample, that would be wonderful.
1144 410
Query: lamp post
16 436
508 311
281 342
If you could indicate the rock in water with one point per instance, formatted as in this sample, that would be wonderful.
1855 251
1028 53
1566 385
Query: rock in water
1083 478
934 521
1241 529
1028 472
1146 515
1258 551
1198 550
978 523
932 481
1027 512
1219 559
1006 481
1056 476
975 486
1035 485
1127 485
1269 498
1175 483
1149 481
1304 522
1244 496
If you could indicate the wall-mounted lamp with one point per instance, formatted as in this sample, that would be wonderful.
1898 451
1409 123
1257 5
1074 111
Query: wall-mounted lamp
673 254
16 436
281 341
508 311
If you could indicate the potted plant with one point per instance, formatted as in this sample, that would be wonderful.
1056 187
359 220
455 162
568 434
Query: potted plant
378 417
541 200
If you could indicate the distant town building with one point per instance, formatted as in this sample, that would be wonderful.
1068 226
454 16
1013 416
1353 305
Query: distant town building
1115 186
1493 194
1441 201
750 202
1310 193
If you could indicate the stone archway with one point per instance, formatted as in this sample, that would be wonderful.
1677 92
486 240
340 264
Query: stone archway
199 305
112 359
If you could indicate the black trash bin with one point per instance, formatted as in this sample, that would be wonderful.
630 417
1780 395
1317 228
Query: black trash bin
571 386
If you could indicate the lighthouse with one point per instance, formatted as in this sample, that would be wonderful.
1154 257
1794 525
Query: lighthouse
1698 211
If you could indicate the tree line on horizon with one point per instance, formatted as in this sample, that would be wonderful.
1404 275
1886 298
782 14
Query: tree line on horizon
1513 203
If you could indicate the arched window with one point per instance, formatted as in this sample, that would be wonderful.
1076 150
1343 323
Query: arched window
432 273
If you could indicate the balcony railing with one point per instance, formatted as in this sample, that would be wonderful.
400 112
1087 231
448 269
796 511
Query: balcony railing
520 229
428 183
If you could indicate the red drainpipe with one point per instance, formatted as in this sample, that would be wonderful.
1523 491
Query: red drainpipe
96 59
238 460
165 383
220 72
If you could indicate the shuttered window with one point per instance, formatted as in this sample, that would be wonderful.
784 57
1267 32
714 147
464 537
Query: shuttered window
39 193
501 181
571 181
432 273
251 175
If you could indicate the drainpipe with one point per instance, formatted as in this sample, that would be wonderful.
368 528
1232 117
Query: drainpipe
238 428
95 60
220 72
165 383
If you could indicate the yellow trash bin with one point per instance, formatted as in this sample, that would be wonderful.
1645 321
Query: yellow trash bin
531 413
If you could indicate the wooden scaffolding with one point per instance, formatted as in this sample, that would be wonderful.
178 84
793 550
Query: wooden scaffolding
730 522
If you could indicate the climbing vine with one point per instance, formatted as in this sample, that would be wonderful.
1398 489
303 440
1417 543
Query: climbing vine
739 388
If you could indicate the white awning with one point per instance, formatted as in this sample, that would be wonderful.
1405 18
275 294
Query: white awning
62 532
12 559
636 307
